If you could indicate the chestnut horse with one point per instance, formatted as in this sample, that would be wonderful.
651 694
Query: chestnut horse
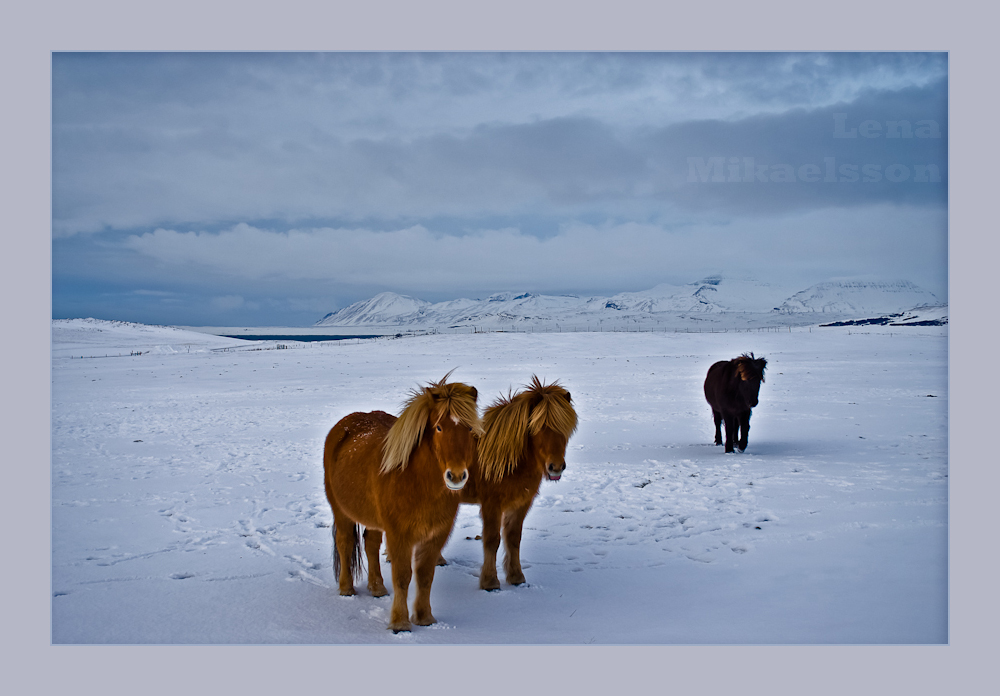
401 476
731 389
525 441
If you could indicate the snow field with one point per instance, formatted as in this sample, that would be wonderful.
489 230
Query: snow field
188 505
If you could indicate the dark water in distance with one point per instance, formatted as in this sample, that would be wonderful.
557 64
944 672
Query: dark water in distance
306 337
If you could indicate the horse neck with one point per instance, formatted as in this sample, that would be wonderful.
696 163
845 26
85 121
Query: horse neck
526 468
529 463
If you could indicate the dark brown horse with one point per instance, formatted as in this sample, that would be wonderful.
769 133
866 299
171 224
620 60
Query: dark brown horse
732 388
401 476
525 441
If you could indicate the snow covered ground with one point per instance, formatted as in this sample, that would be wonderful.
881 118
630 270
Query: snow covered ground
188 505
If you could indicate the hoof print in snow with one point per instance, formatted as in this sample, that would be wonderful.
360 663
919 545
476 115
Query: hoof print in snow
181 576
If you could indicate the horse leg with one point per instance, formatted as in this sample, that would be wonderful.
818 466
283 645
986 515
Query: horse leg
344 540
424 561
731 425
744 430
717 417
513 523
491 515
401 551
373 543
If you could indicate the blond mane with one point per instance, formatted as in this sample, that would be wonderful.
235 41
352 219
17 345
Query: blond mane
428 405
509 421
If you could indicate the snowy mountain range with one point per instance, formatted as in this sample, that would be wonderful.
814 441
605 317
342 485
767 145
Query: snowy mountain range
712 301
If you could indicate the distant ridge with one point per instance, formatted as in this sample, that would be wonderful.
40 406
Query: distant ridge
852 297
713 301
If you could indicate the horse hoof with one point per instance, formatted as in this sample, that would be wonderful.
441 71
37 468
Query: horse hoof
517 580
442 562
401 627
423 621
378 591
347 593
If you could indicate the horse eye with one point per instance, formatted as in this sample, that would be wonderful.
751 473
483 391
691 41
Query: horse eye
439 428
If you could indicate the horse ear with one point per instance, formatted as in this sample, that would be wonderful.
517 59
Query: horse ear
475 394
569 398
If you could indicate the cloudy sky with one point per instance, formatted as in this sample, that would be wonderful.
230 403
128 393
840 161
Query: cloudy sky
270 189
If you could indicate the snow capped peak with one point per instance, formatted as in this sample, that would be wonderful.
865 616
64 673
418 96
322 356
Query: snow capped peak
710 280
384 308
510 296
388 299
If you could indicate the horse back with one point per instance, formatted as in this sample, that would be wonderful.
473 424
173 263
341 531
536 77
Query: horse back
352 458
715 382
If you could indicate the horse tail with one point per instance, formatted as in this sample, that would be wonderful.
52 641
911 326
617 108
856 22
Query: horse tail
355 564
336 554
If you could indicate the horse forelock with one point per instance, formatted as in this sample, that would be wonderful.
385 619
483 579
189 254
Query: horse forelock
509 420
749 367
553 409
457 401
428 406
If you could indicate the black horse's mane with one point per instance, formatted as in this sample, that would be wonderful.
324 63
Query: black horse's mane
757 364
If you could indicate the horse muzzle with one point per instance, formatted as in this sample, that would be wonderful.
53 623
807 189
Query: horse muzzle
554 471
456 483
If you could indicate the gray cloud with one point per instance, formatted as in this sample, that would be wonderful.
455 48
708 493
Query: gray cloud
810 138
162 139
